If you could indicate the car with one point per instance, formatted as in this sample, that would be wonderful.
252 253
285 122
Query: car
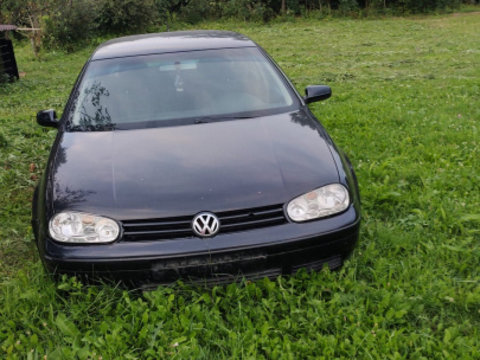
190 155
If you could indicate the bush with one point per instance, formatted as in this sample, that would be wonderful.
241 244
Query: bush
256 10
347 7
126 16
70 24
199 10
411 6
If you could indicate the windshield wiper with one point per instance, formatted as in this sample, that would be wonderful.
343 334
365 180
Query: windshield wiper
237 117
207 119
202 120
95 127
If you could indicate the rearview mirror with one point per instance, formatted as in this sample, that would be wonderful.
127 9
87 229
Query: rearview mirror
47 118
317 93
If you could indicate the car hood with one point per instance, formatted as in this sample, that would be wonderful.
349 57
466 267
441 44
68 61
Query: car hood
181 170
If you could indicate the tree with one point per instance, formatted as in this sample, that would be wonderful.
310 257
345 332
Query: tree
27 13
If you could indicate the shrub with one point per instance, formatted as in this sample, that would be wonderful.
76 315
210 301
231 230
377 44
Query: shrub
70 24
126 16
346 7
256 10
199 10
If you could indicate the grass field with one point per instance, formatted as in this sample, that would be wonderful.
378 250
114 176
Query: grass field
406 108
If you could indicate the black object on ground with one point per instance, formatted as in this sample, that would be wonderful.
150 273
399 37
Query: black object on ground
8 64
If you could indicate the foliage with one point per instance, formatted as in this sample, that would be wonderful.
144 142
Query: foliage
246 10
26 13
70 24
403 108
267 9
167 8
199 10
347 6
255 10
126 16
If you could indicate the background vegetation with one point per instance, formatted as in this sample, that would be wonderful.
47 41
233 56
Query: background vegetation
69 24
405 107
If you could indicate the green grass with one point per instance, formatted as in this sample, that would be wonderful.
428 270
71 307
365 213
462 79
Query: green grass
406 108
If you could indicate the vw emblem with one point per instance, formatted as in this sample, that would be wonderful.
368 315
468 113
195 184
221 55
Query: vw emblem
205 224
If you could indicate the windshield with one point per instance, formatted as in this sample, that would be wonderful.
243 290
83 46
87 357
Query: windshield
177 88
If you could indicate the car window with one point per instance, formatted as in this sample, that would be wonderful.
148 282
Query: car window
166 88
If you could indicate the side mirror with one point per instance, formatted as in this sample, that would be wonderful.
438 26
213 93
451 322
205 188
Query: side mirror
47 118
317 93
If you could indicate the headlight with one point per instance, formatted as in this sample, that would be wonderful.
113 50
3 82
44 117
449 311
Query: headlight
325 201
78 227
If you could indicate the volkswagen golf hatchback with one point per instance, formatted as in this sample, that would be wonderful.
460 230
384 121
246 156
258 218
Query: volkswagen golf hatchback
191 155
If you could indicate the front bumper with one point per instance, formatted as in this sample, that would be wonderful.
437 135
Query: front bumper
253 254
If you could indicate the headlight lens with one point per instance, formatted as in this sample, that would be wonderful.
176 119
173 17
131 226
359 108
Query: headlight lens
78 227
325 201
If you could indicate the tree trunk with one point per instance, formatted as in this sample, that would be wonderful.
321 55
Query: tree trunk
35 35
284 6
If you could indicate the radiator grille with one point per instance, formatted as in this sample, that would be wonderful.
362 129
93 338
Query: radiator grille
178 227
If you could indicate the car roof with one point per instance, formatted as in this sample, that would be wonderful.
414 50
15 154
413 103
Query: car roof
170 42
